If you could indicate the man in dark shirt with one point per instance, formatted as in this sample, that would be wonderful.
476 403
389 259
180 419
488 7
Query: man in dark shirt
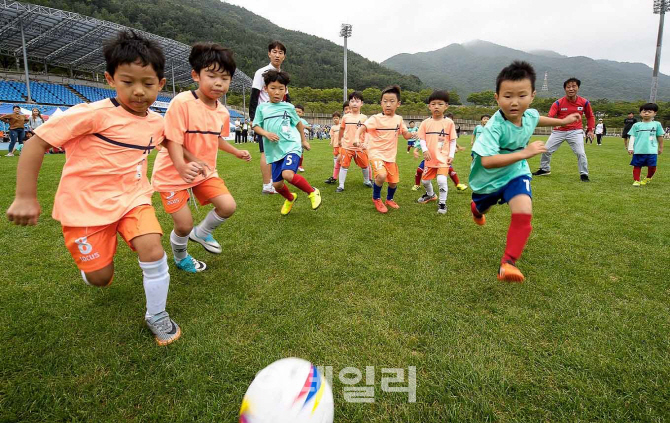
627 124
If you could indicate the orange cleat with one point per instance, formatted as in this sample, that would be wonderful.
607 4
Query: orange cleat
481 221
392 204
381 208
510 273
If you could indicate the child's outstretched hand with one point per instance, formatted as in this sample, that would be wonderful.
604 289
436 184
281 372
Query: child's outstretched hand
416 153
535 148
427 156
272 136
306 146
244 155
573 117
630 152
24 212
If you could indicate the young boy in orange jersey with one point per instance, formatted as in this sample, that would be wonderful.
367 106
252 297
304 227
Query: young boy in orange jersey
383 129
195 126
335 143
499 172
351 147
437 138
104 188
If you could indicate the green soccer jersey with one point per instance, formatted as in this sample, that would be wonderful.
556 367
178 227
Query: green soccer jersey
281 119
500 136
646 133
477 132
413 131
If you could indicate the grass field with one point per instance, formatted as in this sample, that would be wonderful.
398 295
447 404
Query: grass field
585 338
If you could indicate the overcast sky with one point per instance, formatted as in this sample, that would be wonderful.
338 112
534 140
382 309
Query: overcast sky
621 30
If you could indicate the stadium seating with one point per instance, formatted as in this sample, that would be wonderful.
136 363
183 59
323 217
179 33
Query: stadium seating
93 93
9 93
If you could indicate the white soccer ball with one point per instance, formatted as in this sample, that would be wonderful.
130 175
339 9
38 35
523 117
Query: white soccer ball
290 390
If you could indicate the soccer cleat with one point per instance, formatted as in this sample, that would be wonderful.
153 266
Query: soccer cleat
425 198
541 172
288 205
637 184
208 242
271 190
481 220
510 273
315 198
584 178
190 265
381 208
165 330
301 169
368 184
330 180
442 209
645 181
392 204
461 187
9 155
416 187
339 189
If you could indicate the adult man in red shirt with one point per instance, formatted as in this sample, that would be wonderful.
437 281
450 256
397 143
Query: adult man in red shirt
573 133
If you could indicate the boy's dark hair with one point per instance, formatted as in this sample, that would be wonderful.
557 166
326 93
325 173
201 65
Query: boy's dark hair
300 106
391 89
16 107
345 105
449 115
573 79
411 121
355 94
631 113
483 116
277 45
130 47
516 71
276 76
205 55
649 106
337 114
439 95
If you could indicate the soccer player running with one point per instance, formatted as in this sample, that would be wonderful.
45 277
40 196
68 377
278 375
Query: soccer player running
383 130
477 132
196 124
499 172
351 147
104 189
572 133
284 137
646 143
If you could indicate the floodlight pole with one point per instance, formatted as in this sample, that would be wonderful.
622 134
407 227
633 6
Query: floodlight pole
25 61
244 101
660 7
346 33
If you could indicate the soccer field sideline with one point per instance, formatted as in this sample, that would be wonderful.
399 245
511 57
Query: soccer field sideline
586 337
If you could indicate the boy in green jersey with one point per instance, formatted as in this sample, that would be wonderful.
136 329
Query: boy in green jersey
645 144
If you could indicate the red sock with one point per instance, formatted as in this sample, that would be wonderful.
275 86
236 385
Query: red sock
417 176
336 170
650 171
284 191
473 209
636 173
300 164
454 176
301 183
517 236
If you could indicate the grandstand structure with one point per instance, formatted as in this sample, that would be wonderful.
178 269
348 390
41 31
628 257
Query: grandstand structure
54 37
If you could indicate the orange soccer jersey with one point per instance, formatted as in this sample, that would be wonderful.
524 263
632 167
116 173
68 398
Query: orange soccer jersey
197 127
384 131
348 126
105 170
438 135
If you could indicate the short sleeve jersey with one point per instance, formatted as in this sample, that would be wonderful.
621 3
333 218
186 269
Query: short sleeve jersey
500 136
281 119
348 126
384 131
646 133
335 135
258 83
438 135
477 132
413 130
105 172
197 127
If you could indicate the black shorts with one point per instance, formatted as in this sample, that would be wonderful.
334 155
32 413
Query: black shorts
259 140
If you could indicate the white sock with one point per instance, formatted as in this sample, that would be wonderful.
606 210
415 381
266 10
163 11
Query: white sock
443 188
366 175
267 187
83 276
209 223
179 245
428 185
343 176
156 284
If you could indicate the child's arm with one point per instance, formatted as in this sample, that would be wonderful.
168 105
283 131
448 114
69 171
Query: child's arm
660 144
187 170
301 128
547 121
240 154
472 140
359 134
502 160
25 209
263 133
410 135
631 145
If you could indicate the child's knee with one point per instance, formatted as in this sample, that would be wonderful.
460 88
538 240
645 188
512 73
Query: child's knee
99 278
227 207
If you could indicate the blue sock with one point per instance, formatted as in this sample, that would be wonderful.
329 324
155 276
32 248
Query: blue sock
390 193
376 192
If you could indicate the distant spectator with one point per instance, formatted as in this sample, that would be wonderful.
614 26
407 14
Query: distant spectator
600 131
17 130
35 120
238 131
245 131
627 124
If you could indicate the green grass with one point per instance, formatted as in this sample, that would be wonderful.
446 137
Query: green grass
585 338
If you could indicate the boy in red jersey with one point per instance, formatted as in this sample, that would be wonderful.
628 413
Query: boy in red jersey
104 189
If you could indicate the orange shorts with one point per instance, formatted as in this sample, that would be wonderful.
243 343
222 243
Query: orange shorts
389 168
336 151
360 157
93 247
173 201
430 173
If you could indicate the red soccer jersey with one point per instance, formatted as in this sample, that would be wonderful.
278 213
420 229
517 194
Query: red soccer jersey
563 107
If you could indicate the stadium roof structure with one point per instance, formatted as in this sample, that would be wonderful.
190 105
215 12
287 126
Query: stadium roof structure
68 39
